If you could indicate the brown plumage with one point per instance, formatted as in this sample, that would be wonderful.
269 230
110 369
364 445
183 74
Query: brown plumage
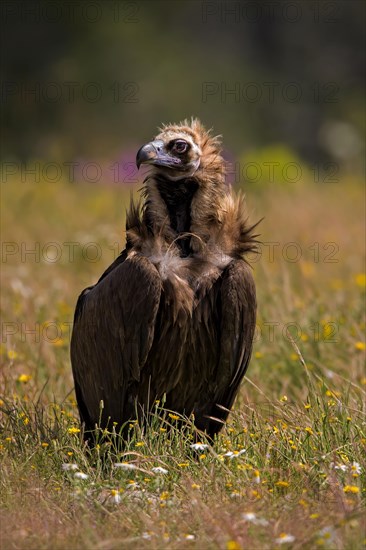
173 317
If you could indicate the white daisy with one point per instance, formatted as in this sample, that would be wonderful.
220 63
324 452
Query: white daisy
234 454
81 475
116 497
252 518
69 466
199 446
159 470
125 466
355 468
285 538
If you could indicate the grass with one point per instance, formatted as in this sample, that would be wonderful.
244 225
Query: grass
289 468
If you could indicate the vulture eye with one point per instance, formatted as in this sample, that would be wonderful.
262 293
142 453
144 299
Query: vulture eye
180 146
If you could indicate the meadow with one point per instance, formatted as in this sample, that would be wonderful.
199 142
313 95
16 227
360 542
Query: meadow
288 469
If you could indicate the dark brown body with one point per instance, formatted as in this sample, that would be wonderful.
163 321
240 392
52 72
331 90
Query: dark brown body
174 316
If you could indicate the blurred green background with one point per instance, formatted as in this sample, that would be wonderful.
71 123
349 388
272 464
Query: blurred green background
90 81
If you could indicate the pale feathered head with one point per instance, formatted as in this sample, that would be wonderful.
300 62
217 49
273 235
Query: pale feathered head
184 150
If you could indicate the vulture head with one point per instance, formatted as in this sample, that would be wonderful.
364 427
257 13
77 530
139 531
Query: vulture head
182 151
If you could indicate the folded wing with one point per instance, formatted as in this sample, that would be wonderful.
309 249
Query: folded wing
237 326
112 335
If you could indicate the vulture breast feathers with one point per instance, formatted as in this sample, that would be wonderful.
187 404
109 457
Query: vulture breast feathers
173 317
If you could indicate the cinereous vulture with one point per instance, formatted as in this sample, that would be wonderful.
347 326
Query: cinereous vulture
173 317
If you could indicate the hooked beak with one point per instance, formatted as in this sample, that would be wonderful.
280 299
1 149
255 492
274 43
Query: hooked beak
155 153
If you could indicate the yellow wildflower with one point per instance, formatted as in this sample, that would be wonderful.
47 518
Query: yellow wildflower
59 343
328 331
351 489
173 416
361 280
282 483
233 545
12 354
24 378
360 346
73 430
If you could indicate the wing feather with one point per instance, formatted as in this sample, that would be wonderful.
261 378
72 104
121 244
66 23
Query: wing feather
112 335
237 326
